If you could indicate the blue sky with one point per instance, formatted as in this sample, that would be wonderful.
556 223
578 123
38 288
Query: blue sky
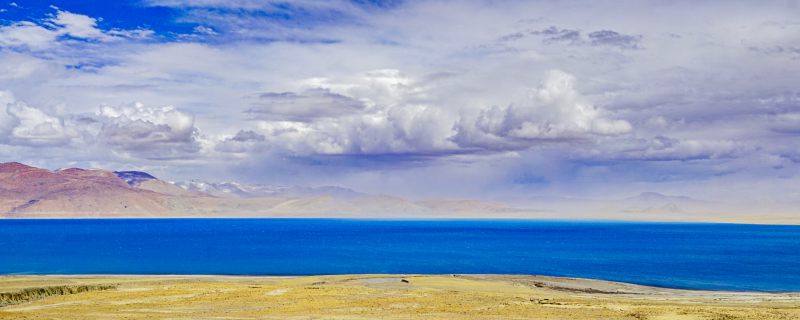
110 15
475 99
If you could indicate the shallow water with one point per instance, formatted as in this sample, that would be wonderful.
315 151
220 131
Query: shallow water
698 256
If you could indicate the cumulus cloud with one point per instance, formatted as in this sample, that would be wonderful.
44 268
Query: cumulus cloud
21 124
147 132
376 112
133 131
7 123
406 129
553 112
36 127
397 119
400 129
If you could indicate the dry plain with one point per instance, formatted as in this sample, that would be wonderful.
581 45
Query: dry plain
373 297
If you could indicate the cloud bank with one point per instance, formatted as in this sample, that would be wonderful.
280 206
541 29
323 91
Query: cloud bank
489 99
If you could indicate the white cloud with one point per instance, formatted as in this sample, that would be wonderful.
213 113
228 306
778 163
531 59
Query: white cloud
397 118
375 112
21 68
137 34
554 111
205 30
156 133
38 128
7 123
401 130
25 125
430 78
77 25
47 34
132 131
27 35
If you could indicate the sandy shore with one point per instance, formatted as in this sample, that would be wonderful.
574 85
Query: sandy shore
373 297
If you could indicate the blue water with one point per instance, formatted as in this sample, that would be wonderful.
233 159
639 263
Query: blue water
698 256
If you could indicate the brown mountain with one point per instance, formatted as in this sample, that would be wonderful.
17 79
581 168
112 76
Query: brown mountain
27 191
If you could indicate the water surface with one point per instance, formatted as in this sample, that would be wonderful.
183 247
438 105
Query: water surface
698 256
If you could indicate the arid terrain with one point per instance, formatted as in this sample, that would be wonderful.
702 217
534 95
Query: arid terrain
373 297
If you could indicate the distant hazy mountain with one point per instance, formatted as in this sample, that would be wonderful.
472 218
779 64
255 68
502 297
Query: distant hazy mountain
30 192
233 189
654 202
650 197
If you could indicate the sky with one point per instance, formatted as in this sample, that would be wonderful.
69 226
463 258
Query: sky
472 99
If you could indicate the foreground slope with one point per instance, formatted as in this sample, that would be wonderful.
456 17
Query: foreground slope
375 297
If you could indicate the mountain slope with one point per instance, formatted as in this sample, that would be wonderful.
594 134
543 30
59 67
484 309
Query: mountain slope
29 190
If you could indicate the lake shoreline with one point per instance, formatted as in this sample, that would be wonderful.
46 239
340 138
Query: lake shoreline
588 283
378 295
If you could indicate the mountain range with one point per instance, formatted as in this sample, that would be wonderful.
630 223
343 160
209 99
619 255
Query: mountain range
31 192
28 192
